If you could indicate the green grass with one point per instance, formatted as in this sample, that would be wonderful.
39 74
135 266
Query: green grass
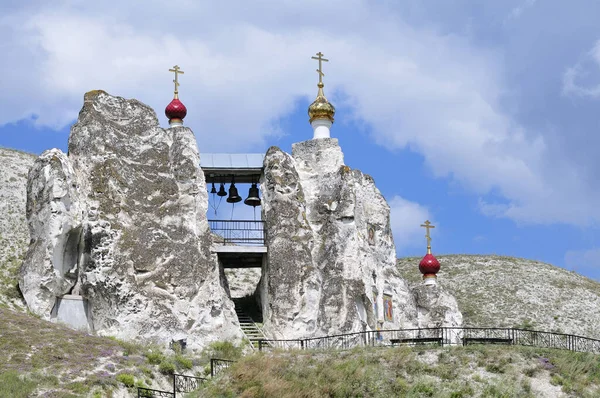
14 385
455 372
35 354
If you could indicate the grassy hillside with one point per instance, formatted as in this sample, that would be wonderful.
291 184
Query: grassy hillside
508 291
473 371
40 358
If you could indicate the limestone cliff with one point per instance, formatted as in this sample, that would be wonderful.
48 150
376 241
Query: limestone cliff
14 234
122 221
331 260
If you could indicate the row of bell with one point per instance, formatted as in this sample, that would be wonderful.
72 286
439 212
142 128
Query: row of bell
252 199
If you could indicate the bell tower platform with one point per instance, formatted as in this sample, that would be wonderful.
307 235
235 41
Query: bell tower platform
238 243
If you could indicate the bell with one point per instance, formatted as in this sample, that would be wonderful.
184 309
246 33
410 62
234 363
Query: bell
233 194
213 189
222 191
253 199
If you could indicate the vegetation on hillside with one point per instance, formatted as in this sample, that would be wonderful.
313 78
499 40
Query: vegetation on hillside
501 291
473 371
37 356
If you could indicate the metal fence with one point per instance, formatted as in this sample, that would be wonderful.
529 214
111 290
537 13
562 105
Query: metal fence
217 365
149 393
239 232
183 383
442 336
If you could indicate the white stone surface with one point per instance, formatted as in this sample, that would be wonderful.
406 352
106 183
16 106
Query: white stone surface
14 234
122 221
321 128
73 310
323 268
436 308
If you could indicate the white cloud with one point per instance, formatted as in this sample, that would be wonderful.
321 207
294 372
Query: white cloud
246 66
583 261
590 63
406 218
517 11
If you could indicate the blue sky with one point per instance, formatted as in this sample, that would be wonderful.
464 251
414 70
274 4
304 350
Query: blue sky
481 116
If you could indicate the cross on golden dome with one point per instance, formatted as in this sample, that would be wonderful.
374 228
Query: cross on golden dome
320 58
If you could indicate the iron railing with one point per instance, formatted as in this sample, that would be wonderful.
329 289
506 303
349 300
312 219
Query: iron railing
183 383
443 336
150 393
239 232
217 365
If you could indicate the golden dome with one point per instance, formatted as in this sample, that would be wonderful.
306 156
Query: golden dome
321 108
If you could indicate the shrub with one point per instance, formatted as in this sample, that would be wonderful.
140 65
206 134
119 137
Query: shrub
224 350
166 367
183 362
127 379
155 357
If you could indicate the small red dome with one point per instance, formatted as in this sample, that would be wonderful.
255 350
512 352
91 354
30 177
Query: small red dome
429 265
175 110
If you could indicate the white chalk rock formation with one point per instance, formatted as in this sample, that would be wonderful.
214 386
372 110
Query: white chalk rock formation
122 221
436 307
331 258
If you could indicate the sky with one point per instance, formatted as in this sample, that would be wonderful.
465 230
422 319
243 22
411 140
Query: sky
482 117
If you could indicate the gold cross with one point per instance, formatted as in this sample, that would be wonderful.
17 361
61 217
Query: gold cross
176 81
428 226
320 58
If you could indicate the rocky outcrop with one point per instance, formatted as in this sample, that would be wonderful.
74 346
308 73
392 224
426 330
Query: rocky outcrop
437 308
122 221
14 234
331 260
502 291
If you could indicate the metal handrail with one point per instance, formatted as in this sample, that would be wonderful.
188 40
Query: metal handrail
446 335
239 232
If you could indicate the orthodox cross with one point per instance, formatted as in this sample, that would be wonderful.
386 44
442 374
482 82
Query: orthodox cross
176 81
428 226
320 58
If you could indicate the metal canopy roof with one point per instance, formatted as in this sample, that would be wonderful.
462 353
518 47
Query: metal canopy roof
245 167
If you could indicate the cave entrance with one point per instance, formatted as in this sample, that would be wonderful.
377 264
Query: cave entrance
243 284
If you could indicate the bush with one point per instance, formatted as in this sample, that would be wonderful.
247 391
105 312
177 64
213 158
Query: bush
155 357
183 362
166 367
127 379
224 350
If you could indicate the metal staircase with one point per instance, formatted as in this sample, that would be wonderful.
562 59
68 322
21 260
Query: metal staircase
252 330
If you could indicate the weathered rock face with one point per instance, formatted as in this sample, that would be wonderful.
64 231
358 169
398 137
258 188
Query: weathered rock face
14 234
331 261
436 307
122 221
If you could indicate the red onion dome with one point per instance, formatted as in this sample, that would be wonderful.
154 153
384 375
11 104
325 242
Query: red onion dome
429 265
175 110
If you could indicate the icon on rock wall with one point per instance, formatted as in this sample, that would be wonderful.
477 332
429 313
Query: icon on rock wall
375 309
388 315
371 235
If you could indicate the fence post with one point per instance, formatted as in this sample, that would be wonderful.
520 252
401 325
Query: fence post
212 367
260 343
174 388
302 344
